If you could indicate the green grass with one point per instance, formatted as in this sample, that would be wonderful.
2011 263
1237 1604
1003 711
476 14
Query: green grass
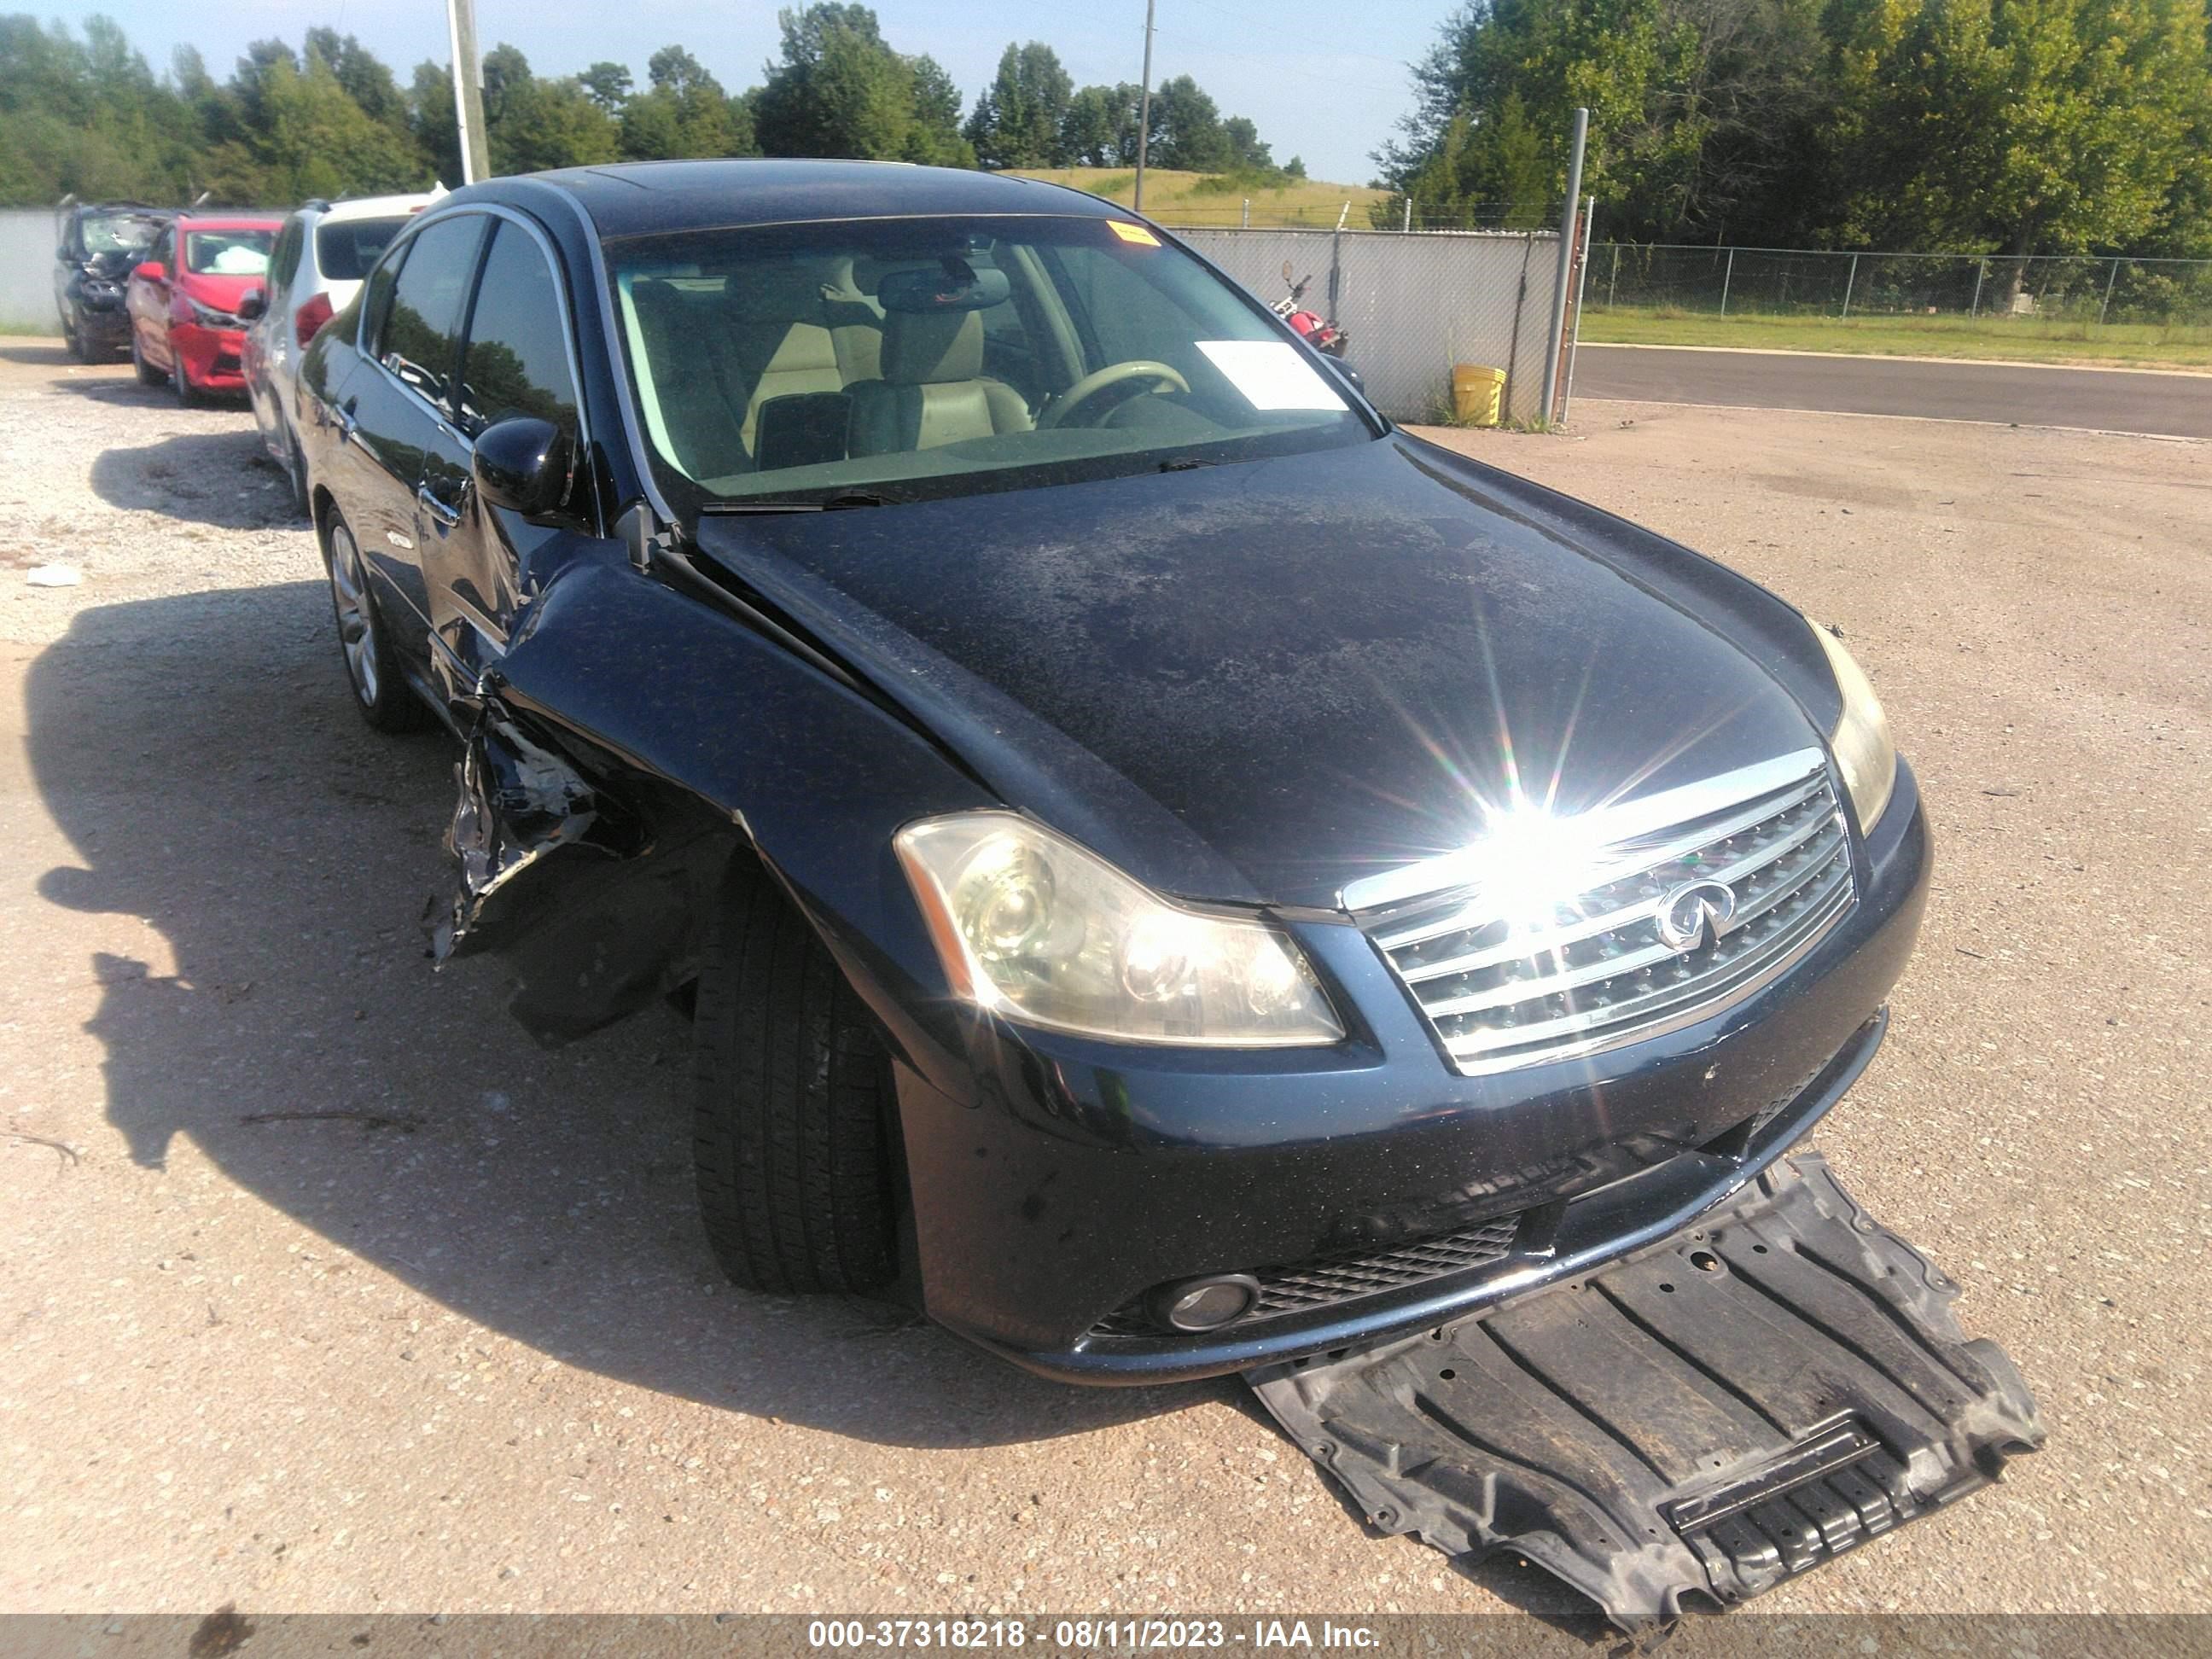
1185 199
2024 339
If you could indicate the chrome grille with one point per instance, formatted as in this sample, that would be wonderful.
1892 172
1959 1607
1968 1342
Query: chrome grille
1510 978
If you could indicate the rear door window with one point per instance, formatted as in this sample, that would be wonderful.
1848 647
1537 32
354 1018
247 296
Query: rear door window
286 259
518 351
346 248
420 340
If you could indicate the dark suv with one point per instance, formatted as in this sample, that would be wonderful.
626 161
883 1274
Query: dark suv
96 245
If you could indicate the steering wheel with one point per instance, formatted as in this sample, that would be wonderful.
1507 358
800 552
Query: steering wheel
1136 368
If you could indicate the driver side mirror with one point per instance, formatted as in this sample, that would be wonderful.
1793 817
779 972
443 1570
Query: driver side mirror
152 271
522 464
253 303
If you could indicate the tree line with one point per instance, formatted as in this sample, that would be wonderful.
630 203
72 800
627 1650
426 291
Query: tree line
1973 126
88 115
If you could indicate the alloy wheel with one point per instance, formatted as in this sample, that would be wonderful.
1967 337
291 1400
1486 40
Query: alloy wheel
356 621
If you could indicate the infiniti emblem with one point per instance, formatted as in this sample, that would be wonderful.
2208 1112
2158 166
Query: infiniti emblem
1688 913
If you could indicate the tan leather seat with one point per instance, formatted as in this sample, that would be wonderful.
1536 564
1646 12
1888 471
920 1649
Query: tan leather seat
856 321
779 340
933 390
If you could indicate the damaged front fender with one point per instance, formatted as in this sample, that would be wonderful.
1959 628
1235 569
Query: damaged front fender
631 743
594 909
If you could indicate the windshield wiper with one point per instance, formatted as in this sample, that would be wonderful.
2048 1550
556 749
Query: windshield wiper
843 498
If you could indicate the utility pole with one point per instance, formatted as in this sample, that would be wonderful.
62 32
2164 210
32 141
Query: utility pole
1570 217
468 90
1144 109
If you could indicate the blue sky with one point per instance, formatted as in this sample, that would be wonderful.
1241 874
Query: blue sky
1323 82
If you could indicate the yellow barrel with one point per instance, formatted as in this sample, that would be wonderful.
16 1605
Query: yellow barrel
1477 390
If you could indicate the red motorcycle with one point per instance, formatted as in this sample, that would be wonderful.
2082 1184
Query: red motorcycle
1316 329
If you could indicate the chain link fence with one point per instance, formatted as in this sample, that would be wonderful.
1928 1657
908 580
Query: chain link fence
1362 212
1731 282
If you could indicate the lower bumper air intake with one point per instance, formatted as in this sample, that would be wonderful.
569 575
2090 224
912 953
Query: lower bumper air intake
1779 1383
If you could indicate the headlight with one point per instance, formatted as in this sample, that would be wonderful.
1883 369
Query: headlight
1039 929
1861 739
208 316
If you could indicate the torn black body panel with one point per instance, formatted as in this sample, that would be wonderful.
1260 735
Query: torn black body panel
1772 1387
594 906
629 743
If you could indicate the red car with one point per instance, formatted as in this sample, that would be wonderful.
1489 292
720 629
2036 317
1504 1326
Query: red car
184 299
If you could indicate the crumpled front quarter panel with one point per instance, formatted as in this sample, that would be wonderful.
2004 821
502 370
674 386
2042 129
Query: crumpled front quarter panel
682 726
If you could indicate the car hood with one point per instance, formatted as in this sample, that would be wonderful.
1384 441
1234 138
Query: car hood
1260 681
222 293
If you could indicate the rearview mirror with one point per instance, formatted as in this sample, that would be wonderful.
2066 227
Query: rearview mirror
152 271
253 303
522 465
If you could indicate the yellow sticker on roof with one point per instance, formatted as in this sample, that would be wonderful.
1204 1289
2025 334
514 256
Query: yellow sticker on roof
1128 233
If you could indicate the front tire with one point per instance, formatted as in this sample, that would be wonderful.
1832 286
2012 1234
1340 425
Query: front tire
188 395
295 470
148 374
372 665
793 1114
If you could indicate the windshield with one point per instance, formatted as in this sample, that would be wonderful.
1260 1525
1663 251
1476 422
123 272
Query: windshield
117 233
228 252
912 358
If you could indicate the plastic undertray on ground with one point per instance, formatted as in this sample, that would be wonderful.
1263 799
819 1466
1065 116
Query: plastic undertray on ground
1778 1383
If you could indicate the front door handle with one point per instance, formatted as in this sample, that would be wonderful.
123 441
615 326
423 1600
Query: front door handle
348 427
447 514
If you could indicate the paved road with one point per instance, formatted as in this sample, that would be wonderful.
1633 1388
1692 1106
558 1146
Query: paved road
2030 394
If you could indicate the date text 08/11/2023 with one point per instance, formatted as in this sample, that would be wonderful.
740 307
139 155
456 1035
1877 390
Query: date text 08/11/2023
1282 1634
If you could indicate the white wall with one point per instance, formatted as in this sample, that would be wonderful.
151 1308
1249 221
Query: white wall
26 265
1412 305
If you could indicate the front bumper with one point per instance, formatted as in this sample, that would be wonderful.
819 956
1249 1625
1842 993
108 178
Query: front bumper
212 358
1054 1179
102 320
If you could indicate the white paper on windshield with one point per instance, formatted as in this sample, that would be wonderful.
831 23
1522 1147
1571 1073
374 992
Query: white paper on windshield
1271 374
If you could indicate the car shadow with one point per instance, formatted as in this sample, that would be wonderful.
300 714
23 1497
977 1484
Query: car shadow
222 479
107 379
38 352
203 757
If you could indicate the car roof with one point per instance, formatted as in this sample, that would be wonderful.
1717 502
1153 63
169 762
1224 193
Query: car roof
229 221
372 207
650 197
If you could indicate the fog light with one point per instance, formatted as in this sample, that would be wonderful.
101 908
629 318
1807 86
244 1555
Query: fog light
1206 1303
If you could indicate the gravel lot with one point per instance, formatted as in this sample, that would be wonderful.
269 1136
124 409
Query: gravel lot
327 1290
